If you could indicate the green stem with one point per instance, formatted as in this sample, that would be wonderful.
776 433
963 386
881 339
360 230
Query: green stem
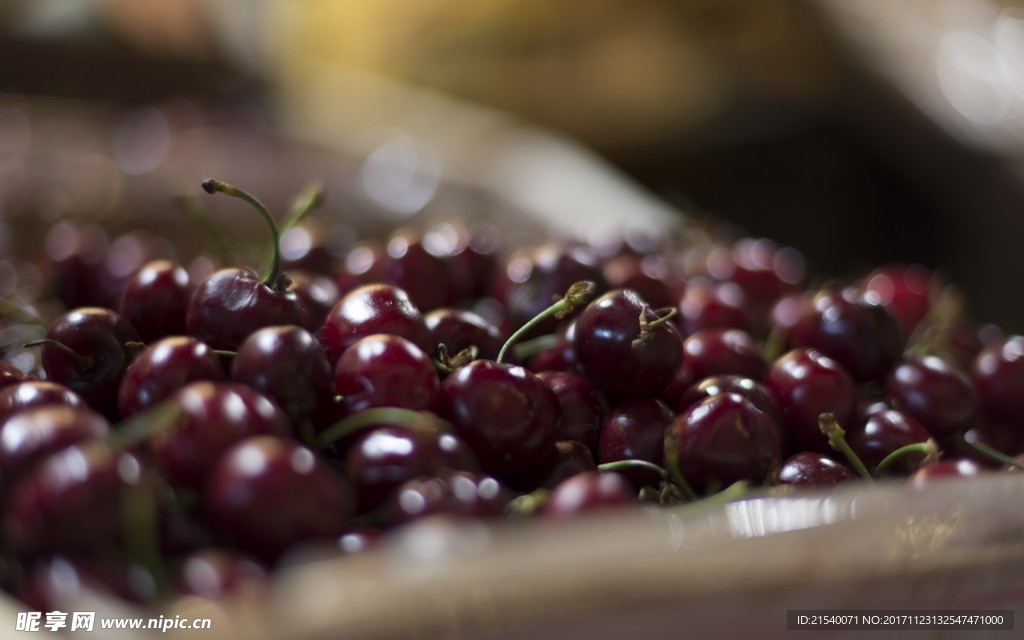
733 492
377 416
225 353
139 427
577 294
837 440
672 465
140 516
533 346
928 448
310 198
989 452
623 465
270 276
83 362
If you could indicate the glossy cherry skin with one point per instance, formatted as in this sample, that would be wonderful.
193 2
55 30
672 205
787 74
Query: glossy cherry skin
100 334
806 384
884 432
458 329
12 375
212 416
810 469
128 253
506 414
635 430
370 309
32 435
233 303
386 371
55 582
998 376
267 493
760 267
74 255
163 368
36 393
462 495
934 392
560 357
288 365
650 276
582 407
588 492
365 264
155 300
70 501
609 341
468 253
721 440
386 457
750 389
415 268
214 573
713 305
567 458
318 294
850 328
712 352
905 290
943 470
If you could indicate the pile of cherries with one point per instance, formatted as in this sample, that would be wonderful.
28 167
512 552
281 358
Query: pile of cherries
179 430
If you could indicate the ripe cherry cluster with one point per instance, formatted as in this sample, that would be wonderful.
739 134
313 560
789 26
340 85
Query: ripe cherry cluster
182 434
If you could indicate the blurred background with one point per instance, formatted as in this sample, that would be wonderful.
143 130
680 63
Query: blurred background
858 131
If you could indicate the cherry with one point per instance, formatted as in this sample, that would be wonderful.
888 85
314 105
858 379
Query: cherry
268 493
852 329
33 434
413 267
811 469
74 254
955 449
760 267
12 375
155 300
317 293
588 492
468 253
461 494
458 329
677 388
506 414
883 433
998 376
370 309
905 290
386 371
722 440
713 305
943 470
570 457
558 357
214 573
212 416
806 384
650 276
288 365
365 264
88 350
931 390
315 248
126 255
388 456
36 393
635 431
582 407
712 352
618 332
55 582
163 368
750 389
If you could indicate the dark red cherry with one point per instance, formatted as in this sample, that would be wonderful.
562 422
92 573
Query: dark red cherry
559 357
713 305
680 384
212 417
267 493
506 414
155 300
582 407
33 434
568 458
365 264
288 365
468 253
905 290
750 389
806 384
760 267
214 573
413 267
931 390
36 393
883 433
589 492
56 582
383 370
650 276
315 247
233 303
619 333
74 255
849 327
101 341
721 440
810 469
461 495
12 375
458 329
125 256
163 368
318 294
943 470
370 309
712 352
386 457
635 430
998 376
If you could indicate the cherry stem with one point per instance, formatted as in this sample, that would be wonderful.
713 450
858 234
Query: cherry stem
529 504
270 276
733 492
446 363
664 315
310 198
200 217
928 448
11 308
139 427
837 440
623 465
674 472
83 362
533 346
378 416
989 452
577 294
140 518
225 353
